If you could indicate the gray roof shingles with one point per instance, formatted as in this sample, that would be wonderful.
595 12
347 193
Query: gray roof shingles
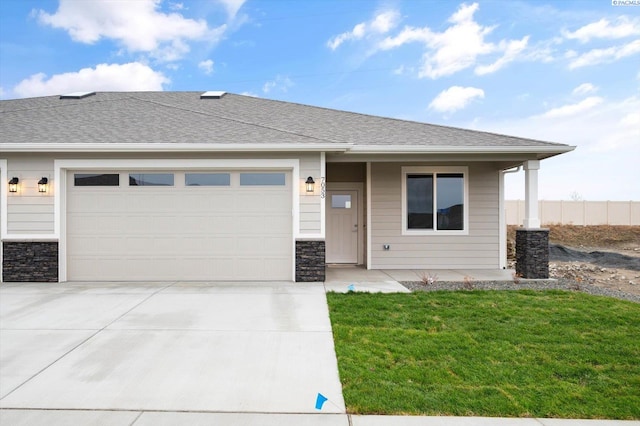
182 117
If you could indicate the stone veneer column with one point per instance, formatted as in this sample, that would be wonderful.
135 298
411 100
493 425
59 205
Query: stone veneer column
310 261
532 253
29 261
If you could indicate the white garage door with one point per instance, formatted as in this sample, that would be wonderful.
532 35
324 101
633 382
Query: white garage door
178 225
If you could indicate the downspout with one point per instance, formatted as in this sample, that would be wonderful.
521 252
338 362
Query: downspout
503 225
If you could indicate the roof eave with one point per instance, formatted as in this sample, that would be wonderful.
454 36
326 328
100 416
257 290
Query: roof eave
171 147
546 150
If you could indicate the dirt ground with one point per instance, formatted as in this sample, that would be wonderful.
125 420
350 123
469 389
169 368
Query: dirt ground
603 256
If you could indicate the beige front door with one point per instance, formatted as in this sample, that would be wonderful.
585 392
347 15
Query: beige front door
342 226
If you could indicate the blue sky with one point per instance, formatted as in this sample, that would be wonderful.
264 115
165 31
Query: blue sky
562 71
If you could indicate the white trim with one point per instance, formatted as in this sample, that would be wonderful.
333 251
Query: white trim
502 231
434 170
323 179
174 147
4 181
62 166
368 195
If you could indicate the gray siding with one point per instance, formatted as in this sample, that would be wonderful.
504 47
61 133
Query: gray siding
479 249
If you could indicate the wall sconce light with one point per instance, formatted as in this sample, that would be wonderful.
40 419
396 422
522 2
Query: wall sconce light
42 184
310 183
13 184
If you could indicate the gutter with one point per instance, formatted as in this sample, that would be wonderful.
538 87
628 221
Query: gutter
395 149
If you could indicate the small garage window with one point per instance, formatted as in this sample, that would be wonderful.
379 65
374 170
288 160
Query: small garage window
151 179
87 179
207 179
262 179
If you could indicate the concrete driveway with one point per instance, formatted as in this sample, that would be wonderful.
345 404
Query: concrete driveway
205 347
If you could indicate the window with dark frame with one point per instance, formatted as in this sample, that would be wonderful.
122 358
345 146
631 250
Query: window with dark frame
435 201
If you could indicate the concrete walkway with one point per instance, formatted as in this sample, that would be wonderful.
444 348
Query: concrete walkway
342 279
215 347
146 418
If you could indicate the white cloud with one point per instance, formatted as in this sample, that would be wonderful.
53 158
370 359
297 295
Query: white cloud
138 27
604 162
253 95
600 56
624 27
280 83
382 23
572 109
584 89
232 6
512 50
133 76
1 92
455 98
458 47
206 66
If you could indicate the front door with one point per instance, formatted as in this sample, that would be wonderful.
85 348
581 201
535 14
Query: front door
342 226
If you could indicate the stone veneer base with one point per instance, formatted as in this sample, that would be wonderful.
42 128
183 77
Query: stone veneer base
29 261
310 261
532 253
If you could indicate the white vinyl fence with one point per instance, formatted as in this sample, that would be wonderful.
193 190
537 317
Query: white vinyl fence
578 212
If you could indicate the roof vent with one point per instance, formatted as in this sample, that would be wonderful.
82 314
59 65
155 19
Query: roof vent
213 94
77 95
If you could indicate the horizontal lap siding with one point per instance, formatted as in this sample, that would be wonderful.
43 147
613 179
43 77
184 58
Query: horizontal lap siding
479 249
28 211
310 204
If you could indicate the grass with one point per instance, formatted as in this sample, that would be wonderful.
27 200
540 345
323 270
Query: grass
488 353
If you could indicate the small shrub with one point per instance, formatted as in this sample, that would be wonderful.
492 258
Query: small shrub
427 278
516 278
467 284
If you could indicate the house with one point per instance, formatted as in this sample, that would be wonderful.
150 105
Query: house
218 186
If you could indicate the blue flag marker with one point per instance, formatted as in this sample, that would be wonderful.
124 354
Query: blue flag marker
351 287
320 400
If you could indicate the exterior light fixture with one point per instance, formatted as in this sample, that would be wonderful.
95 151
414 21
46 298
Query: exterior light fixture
310 184
42 184
13 184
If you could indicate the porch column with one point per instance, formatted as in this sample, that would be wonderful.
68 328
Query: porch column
531 220
532 242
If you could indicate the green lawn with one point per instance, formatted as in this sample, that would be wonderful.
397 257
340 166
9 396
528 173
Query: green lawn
488 353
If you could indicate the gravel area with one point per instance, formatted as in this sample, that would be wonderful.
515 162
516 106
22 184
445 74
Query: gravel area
556 284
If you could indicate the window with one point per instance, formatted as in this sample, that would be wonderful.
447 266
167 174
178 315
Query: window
151 179
207 179
339 201
87 179
434 200
262 179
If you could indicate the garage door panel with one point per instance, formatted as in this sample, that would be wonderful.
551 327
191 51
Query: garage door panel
264 246
203 200
97 246
83 224
99 201
141 201
179 233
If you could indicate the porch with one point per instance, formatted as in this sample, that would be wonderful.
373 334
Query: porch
345 278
